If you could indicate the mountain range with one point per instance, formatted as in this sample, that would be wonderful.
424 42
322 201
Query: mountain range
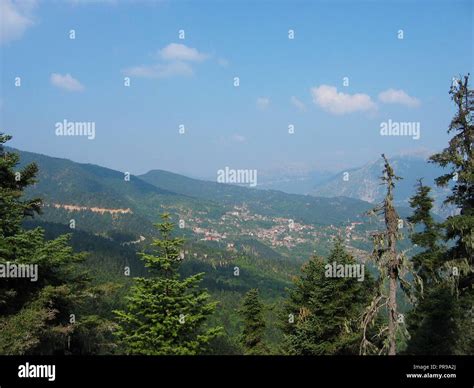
363 182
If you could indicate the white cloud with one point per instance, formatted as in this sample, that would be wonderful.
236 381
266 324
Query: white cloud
66 82
15 18
160 70
338 103
392 96
263 103
175 61
181 52
300 105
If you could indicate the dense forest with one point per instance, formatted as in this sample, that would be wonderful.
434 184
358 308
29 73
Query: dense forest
95 294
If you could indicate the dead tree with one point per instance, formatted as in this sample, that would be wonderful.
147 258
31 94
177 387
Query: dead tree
389 263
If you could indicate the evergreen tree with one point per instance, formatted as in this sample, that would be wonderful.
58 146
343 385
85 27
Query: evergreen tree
165 314
430 322
42 316
253 333
426 263
459 258
459 158
322 313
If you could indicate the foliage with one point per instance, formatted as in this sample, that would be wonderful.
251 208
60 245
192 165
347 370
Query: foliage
165 314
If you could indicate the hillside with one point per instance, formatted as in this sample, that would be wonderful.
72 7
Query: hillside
305 208
265 224
364 182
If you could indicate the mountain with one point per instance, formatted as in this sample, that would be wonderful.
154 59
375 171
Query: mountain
273 203
292 180
266 224
364 182
101 199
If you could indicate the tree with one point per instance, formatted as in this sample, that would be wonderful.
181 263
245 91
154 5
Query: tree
322 313
391 266
165 314
457 157
37 315
430 322
253 333
426 263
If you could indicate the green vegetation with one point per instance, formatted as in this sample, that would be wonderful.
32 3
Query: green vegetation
253 334
164 313
50 312
322 314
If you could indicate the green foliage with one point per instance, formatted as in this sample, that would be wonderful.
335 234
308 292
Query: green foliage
35 316
166 314
459 158
432 324
253 332
322 314
426 263
441 322
305 208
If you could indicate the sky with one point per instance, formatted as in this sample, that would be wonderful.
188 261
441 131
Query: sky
317 81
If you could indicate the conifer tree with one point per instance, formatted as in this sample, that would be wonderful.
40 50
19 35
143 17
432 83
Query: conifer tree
35 316
322 314
458 158
165 314
430 322
426 263
253 335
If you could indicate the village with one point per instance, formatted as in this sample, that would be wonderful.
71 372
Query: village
276 232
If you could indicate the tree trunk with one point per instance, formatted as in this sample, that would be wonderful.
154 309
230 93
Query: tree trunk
392 313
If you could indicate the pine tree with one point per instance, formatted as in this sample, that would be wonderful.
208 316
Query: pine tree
430 322
253 335
391 265
322 313
426 263
165 314
35 316
459 158
13 209
459 258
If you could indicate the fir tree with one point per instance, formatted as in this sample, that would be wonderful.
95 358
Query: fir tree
426 263
165 313
430 322
35 316
253 334
322 313
457 157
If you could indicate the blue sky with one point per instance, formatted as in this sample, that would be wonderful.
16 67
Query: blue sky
191 81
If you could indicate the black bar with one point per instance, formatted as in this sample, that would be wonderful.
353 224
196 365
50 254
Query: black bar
324 371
